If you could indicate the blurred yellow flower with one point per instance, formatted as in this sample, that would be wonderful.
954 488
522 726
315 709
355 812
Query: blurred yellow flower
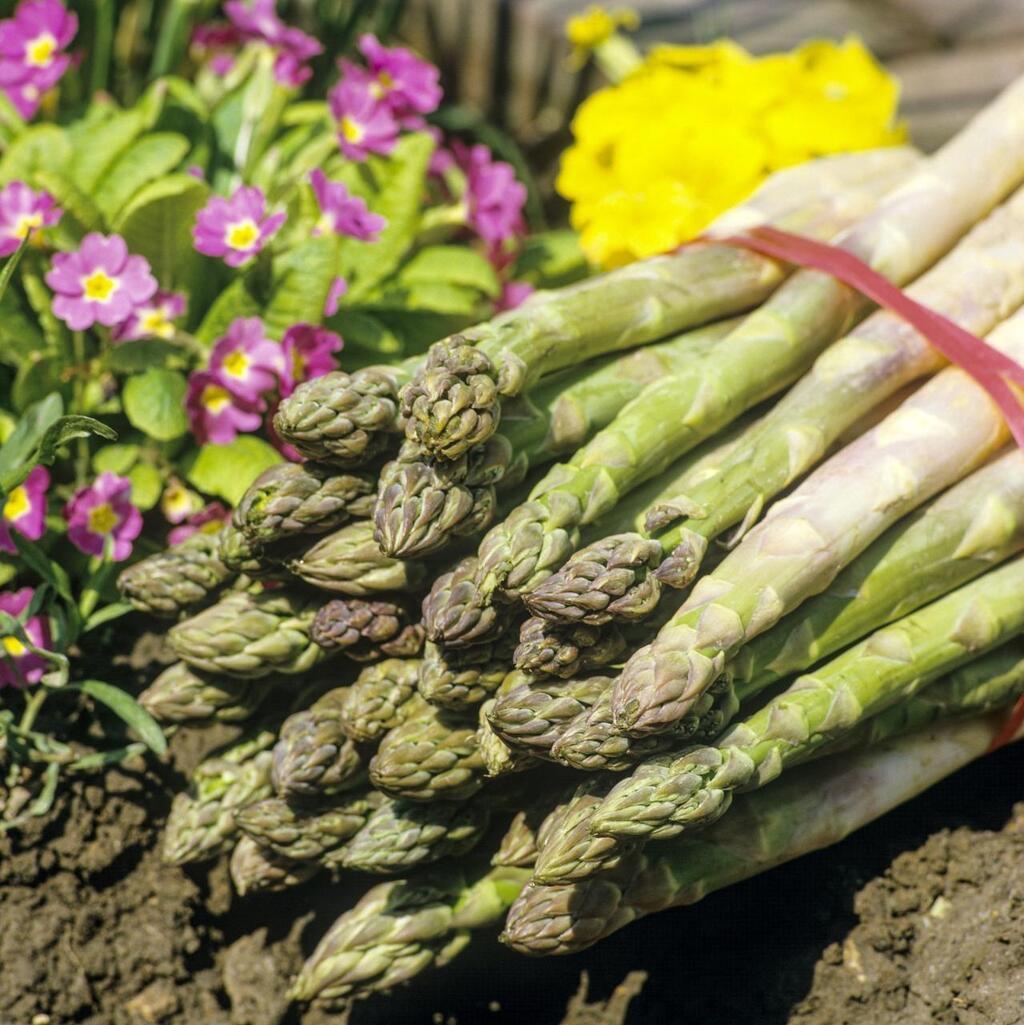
694 129
596 24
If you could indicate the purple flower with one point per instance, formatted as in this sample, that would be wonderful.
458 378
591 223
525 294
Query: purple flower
214 412
31 51
365 124
217 43
256 20
153 319
19 665
513 294
343 213
207 520
101 517
235 228
308 353
22 210
25 509
494 197
407 84
339 286
246 361
259 20
99 283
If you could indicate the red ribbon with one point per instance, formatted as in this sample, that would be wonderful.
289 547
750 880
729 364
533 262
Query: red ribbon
1013 723
992 369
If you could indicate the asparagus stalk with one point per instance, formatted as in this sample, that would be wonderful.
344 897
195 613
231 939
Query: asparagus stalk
499 758
811 808
367 630
695 787
345 419
382 697
937 436
175 581
181 695
201 823
400 928
770 349
620 577
313 756
430 756
248 636
423 504
967 530
461 679
302 498
349 562
454 402
402 835
254 868
298 834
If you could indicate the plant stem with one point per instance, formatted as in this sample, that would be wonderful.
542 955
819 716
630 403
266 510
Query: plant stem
33 704
102 43
78 390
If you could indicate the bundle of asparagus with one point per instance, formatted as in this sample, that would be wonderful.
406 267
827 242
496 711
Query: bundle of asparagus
872 620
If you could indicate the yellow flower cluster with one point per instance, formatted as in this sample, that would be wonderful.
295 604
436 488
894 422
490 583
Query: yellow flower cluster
696 128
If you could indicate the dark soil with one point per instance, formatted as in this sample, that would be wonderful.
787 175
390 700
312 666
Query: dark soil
95 929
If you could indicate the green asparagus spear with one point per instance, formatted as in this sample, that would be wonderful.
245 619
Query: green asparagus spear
368 630
306 834
967 530
461 679
313 756
202 823
179 694
403 835
620 577
171 582
499 758
345 419
454 402
254 868
814 807
937 436
664 798
249 635
431 756
349 562
401 927
382 697
423 504
302 498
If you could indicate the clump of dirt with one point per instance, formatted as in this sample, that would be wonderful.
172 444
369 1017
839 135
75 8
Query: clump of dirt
940 938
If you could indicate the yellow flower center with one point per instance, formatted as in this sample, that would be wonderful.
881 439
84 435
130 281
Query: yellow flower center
17 504
39 51
154 322
215 398
298 366
351 130
99 286
14 647
382 85
25 224
242 234
236 363
102 518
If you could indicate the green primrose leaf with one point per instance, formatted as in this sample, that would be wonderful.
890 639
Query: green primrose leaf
154 402
126 708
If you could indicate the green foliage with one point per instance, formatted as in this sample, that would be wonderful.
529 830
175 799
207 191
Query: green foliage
154 402
227 470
